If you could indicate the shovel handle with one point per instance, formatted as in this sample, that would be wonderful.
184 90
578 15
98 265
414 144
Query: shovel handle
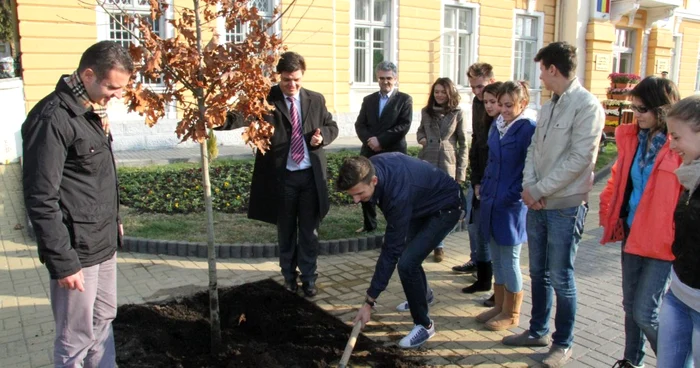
350 345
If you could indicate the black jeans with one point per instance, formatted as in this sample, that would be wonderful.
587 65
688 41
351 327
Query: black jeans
297 226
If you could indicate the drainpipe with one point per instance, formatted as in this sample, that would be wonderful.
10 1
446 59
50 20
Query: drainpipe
557 19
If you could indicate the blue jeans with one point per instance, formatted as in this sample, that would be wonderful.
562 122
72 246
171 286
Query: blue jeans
679 334
644 281
553 237
479 247
506 266
424 234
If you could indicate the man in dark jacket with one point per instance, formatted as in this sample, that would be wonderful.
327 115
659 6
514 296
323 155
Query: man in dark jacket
289 185
72 199
384 119
480 75
421 204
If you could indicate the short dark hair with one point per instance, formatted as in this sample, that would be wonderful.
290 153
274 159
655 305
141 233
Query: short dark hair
478 70
105 56
687 111
290 62
560 54
354 170
658 95
453 96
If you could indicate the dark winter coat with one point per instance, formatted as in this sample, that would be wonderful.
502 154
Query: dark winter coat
269 170
390 128
503 212
686 246
70 184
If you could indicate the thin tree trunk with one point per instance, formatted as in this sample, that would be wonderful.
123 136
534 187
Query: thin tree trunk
214 318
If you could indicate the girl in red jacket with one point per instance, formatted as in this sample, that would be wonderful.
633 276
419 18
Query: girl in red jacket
636 207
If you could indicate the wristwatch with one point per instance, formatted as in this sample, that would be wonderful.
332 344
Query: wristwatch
370 303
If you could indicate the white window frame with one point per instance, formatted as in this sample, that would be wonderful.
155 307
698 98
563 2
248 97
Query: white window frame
618 50
535 88
392 25
229 36
139 7
472 47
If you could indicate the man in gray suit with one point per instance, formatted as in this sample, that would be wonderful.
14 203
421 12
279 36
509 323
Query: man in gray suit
384 119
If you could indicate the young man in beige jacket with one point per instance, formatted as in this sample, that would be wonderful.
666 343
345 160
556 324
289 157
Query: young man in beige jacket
557 178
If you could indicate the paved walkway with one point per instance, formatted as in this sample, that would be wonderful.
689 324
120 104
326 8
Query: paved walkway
26 324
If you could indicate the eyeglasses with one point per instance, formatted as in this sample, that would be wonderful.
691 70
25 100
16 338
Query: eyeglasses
639 109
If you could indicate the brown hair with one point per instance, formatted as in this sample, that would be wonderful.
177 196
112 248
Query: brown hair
354 170
658 95
493 88
478 70
452 96
687 111
290 62
518 91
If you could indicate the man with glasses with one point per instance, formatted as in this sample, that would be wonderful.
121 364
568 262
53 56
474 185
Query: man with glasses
384 119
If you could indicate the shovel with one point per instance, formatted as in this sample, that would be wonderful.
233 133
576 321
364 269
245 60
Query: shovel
350 345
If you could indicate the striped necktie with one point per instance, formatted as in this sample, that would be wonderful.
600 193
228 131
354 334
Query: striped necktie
297 144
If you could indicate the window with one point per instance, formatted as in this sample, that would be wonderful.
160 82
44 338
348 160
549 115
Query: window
265 10
117 32
371 39
697 74
525 48
623 51
457 42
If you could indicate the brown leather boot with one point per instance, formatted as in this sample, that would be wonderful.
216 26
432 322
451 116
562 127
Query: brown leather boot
498 294
510 314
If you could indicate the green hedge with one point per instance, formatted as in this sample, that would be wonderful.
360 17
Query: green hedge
177 188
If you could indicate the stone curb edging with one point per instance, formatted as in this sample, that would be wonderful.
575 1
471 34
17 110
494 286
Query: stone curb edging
251 250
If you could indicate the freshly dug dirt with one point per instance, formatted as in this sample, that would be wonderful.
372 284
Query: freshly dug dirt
263 325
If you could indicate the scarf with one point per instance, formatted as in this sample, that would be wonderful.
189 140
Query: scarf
647 157
78 88
502 126
689 175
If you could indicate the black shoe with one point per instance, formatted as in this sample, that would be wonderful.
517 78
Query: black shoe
490 302
624 363
468 267
484 273
309 289
291 286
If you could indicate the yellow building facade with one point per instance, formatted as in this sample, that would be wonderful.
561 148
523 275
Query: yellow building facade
342 40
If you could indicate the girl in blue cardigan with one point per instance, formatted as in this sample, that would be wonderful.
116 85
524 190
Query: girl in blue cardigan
503 212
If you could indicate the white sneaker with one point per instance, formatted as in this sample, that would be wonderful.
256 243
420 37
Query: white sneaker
403 307
418 336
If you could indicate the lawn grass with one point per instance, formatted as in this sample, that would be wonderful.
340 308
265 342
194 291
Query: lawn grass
608 154
340 223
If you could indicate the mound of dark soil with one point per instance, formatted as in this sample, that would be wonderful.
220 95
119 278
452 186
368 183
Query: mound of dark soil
263 325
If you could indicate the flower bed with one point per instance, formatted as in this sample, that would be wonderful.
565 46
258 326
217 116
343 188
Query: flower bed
178 188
